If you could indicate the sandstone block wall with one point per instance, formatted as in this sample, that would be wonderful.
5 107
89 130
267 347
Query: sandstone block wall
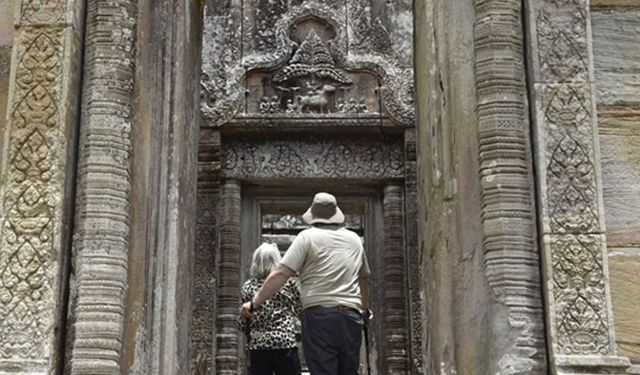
616 49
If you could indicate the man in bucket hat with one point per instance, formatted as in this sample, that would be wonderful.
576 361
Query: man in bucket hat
334 272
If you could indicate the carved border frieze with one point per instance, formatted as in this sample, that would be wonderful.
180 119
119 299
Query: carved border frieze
313 158
37 169
568 172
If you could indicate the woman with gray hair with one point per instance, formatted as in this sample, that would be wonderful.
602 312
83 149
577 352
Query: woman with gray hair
272 340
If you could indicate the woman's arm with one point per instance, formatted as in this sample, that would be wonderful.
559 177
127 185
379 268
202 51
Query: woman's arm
272 284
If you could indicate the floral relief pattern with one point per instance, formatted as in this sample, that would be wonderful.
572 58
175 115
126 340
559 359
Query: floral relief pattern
580 310
579 294
28 258
353 159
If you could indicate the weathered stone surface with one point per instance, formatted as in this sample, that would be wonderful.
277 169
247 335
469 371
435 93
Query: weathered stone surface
38 160
615 3
616 56
579 316
101 230
620 145
332 79
313 157
624 263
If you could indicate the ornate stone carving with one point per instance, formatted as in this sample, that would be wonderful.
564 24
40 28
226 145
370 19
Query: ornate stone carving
579 311
228 298
29 206
319 78
37 172
104 172
315 157
578 292
510 254
394 294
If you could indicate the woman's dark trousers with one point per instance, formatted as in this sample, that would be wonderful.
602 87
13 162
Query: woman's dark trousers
275 361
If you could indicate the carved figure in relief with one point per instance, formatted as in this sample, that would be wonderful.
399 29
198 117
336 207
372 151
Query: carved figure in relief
311 78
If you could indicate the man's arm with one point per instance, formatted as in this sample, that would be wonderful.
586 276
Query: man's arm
272 284
363 281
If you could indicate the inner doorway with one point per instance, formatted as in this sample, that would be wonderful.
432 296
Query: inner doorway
275 216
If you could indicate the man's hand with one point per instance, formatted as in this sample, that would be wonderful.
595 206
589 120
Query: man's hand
246 310
368 314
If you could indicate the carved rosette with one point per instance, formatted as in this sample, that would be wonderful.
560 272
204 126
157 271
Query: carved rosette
37 170
579 309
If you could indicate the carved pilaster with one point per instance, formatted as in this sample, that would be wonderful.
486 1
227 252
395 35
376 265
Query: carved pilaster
228 298
206 250
579 317
508 218
37 178
413 261
101 235
394 296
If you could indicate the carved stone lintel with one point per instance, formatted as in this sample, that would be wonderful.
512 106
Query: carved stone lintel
37 167
314 158
579 317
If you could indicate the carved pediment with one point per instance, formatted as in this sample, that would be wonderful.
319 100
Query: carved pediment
308 74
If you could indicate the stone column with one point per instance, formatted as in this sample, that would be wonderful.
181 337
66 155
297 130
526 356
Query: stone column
38 163
228 298
579 318
396 353
101 233
508 211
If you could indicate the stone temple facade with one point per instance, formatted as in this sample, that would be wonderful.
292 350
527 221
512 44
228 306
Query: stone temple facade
486 151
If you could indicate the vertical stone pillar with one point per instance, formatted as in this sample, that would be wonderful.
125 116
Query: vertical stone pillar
101 234
38 163
508 211
395 311
206 251
228 299
412 260
579 318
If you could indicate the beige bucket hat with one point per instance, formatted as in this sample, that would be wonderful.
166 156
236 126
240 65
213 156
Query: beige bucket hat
324 210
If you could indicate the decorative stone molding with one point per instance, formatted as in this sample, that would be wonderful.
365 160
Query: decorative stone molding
325 86
394 295
315 157
38 160
101 234
508 218
228 297
579 317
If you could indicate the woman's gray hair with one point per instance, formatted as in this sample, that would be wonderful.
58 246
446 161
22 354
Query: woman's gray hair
265 258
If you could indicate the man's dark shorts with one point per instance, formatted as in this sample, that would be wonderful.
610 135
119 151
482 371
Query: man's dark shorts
331 338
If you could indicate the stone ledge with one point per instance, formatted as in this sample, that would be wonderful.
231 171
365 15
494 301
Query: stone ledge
592 365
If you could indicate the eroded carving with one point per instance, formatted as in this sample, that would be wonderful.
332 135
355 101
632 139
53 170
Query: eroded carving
31 249
355 158
318 75
508 228
578 291
579 308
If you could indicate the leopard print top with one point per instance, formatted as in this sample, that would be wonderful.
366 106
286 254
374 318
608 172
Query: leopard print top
274 323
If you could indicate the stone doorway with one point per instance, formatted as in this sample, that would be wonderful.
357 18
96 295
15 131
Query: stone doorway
275 215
